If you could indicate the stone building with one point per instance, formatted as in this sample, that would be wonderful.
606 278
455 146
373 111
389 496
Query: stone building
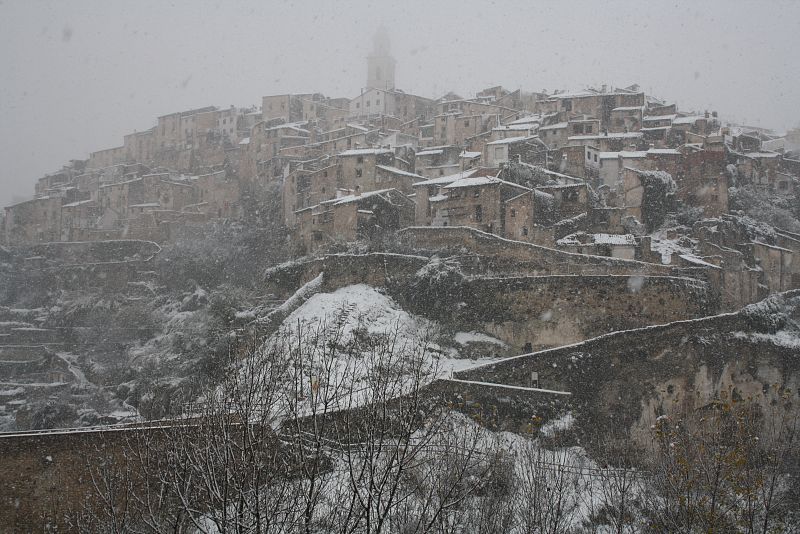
33 221
107 157
454 128
471 200
357 168
359 216
436 161
594 103
125 201
217 194
529 149
79 220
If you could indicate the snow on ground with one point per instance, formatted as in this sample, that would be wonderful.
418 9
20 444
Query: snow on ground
463 338
358 306
561 424
680 245
362 322
784 338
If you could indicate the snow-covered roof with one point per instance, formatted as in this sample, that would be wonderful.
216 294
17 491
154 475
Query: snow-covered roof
513 128
472 182
430 152
510 140
146 205
613 239
443 180
395 170
759 155
618 135
659 117
556 126
437 198
245 141
531 119
664 151
357 127
628 108
697 261
469 155
79 203
574 94
290 125
624 154
365 151
355 198
687 120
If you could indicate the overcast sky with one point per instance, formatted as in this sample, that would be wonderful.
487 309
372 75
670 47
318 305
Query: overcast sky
79 75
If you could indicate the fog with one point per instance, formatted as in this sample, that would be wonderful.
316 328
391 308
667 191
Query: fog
80 75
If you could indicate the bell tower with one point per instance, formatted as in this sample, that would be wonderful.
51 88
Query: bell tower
380 63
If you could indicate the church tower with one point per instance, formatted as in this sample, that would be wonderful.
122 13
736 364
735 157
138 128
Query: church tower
380 63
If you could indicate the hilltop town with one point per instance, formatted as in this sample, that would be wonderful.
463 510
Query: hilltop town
575 264
593 172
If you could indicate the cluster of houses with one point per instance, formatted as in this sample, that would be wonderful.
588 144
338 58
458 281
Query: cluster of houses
570 170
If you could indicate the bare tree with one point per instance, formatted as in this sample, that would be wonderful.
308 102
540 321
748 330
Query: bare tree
313 429
725 467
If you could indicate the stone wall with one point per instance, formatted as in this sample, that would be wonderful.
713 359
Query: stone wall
545 260
376 269
631 377
526 312
536 312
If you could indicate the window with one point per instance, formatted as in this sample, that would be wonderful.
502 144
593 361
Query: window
360 159
378 102
368 104
588 156
359 172
479 213
466 124
595 158
513 212
524 230
476 193
358 105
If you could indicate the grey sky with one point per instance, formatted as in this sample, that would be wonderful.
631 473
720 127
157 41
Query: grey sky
79 75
